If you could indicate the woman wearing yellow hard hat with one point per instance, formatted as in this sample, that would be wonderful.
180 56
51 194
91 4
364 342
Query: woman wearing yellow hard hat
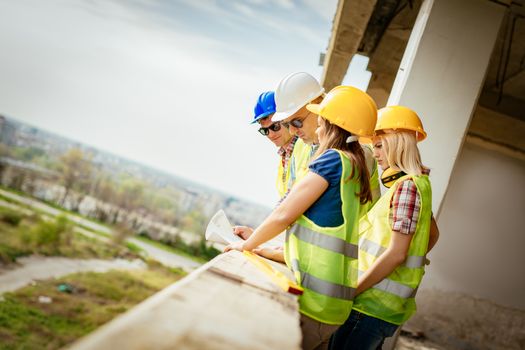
394 236
321 215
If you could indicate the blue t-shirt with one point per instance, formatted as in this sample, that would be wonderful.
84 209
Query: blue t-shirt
327 209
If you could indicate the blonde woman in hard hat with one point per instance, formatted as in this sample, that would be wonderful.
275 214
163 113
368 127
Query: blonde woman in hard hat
393 236
321 215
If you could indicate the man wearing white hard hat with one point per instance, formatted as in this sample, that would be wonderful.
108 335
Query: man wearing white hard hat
292 95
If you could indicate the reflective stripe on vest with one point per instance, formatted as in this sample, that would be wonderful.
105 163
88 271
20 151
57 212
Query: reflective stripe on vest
392 299
324 259
396 288
320 286
331 243
372 248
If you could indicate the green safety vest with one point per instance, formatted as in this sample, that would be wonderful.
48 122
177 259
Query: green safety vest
393 299
299 161
374 178
324 259
296 168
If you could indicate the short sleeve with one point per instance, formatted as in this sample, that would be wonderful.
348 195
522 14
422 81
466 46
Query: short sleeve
404 208
328 165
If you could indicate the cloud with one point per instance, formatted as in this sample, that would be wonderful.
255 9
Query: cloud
148 82
325 9
287 4
255 14
153 95
243 9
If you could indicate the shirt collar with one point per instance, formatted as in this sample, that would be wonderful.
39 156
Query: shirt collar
287 149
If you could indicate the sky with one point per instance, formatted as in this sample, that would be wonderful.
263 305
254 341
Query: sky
170 84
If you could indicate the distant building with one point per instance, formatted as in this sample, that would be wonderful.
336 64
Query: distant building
7 132
22 175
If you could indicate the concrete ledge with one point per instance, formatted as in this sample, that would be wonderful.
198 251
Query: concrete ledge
225 304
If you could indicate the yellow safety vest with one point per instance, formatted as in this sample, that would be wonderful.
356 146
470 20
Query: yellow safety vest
300 160
393 299
324 259
371 164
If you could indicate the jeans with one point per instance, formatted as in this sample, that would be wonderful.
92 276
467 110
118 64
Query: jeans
361 332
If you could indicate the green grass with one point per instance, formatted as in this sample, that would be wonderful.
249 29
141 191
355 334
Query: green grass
44 213
10 216
170 249
134 248
50 204
96 299
11 200
12 190
70 212
98 233
200 252
32 235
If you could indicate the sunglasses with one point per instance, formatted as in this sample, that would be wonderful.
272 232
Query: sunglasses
296 123
274 127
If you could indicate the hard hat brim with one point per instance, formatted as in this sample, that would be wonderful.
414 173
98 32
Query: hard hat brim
280 116
365 140
261 116
315 108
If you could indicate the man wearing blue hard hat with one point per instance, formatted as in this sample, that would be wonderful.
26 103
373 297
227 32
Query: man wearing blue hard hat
282 138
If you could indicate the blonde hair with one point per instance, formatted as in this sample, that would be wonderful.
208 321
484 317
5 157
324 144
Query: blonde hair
336 138
402 152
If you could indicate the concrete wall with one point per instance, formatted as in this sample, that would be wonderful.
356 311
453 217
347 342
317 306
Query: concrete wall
480 251
472 293
441 76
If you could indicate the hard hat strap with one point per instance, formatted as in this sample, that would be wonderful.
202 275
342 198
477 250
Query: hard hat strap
351 139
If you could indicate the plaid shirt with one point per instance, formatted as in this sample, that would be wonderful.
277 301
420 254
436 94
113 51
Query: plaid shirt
285 153
405 206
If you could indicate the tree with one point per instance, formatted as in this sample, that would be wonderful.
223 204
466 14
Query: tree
75 168
104 190
162 203
195 221
129 195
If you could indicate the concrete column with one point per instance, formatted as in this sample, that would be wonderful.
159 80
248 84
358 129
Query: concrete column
441 76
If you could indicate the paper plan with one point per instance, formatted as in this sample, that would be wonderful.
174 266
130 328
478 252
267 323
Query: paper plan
220 230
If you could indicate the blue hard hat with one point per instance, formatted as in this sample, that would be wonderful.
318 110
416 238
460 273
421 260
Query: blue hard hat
264 107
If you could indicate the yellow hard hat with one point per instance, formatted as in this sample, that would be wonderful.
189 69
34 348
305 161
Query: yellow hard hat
349 108
400 118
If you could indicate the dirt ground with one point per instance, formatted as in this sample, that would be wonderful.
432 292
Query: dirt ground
408 343
455 321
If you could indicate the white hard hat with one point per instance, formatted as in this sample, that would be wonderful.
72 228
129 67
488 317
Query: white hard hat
294 92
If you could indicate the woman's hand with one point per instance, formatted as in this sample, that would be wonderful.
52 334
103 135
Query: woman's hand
274 253
243 231
235 246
